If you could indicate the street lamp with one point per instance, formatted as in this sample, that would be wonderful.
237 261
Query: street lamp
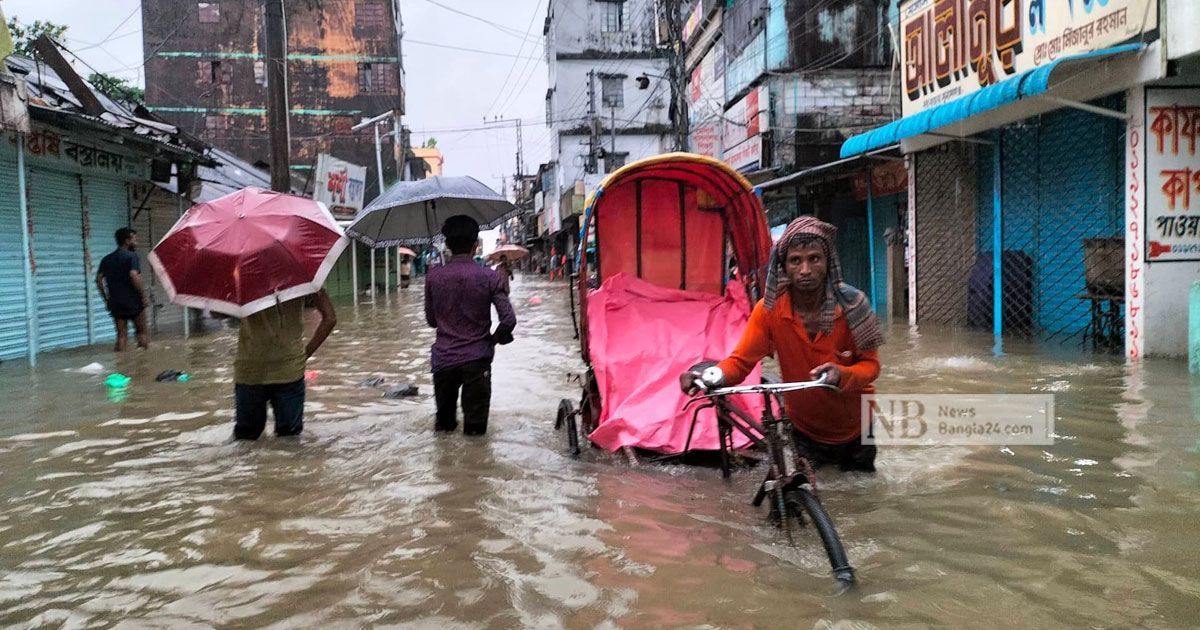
374 123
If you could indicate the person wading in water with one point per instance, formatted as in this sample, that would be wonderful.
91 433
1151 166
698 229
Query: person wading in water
816 325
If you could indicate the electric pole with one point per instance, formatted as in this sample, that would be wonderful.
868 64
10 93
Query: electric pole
594 124
275 36
677 72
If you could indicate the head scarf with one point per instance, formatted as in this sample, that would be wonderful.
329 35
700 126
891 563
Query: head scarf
856 308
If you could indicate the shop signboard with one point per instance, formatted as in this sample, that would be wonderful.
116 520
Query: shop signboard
340 185
744 125
1172 174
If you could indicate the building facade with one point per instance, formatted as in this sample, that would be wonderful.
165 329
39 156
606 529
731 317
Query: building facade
205 73
1052 189
608 101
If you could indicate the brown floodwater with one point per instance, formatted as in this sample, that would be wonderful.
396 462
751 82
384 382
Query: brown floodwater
136 510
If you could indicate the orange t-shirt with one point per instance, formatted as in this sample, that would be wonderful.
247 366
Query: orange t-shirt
824 415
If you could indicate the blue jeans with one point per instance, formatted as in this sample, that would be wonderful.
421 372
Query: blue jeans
250 401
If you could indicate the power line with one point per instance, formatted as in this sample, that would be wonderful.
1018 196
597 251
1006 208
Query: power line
504 84
500 27
408 40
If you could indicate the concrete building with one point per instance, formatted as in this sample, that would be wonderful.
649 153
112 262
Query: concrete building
77 166
1052 180
776 86
608 101
205 73
434 160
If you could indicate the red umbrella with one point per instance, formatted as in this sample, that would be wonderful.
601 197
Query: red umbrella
248 251
510 253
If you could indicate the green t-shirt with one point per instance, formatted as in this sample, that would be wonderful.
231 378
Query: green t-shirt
271 346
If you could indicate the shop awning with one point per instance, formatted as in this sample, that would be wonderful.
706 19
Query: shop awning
1030 83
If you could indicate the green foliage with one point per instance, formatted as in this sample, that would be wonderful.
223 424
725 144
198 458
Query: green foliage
117 88
24 34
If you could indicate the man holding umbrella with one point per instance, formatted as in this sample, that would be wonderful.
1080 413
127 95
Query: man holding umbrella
258 256
458 302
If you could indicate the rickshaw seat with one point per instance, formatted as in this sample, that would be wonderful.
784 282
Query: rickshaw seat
641 338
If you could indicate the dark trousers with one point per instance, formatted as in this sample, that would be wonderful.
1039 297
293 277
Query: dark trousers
475 381
853 455
287 403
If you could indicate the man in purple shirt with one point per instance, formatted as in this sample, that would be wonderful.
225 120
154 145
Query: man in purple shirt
459 296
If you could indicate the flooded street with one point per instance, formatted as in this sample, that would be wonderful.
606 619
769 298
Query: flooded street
137 511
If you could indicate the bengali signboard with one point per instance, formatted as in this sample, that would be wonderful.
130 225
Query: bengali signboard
1172 174
340 185
46 146
744 124
951 48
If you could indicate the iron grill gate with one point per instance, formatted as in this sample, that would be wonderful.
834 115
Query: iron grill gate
62 293
1060 231
945 200
14 334
107 206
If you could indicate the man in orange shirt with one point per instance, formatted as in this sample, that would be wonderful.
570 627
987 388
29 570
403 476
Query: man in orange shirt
816 325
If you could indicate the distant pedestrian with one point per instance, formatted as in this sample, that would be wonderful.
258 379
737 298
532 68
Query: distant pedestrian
269 367
406 268
119 281
458 302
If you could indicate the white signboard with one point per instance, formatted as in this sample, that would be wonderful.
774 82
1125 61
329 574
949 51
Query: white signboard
340 185
951 48
1172 174
743 127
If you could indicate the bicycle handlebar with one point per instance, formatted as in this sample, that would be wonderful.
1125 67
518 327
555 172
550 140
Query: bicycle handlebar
764 388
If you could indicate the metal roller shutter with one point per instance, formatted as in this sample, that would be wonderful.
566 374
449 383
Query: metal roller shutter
62 293
107 204
14 334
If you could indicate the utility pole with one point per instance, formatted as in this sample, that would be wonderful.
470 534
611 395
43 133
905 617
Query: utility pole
516 122
677 72
275 34
594 123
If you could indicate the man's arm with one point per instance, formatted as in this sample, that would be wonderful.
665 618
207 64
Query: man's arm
854 377
753 346
328 321
135 277
430 318
102 288
508 319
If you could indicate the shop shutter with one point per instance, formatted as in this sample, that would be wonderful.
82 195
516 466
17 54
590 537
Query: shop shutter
58 249
14 334
107 204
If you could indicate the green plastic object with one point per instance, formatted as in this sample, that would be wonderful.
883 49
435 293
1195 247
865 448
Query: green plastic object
183 378
117 381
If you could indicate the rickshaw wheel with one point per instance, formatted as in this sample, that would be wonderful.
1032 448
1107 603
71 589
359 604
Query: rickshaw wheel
567 415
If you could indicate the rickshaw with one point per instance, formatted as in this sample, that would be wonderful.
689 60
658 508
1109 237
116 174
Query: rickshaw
661 292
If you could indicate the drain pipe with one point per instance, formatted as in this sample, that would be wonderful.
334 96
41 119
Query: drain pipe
31 319
1194 328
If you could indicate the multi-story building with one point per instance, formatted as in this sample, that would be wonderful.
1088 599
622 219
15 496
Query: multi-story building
608 101
205 73
776 87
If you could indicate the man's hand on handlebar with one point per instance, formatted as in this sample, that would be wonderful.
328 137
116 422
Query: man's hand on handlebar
832 372
688 382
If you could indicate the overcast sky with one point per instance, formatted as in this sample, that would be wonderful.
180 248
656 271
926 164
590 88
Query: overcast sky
447 89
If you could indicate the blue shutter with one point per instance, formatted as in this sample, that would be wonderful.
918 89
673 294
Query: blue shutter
107 203
62 293
14 334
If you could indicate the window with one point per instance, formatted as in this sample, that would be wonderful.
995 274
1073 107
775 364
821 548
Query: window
549 107
612 91
214 72
612 17
614 161
376 78
210 12
260 72
216 123
370 15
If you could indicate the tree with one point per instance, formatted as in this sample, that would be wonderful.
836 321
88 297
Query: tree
117 88
24 34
